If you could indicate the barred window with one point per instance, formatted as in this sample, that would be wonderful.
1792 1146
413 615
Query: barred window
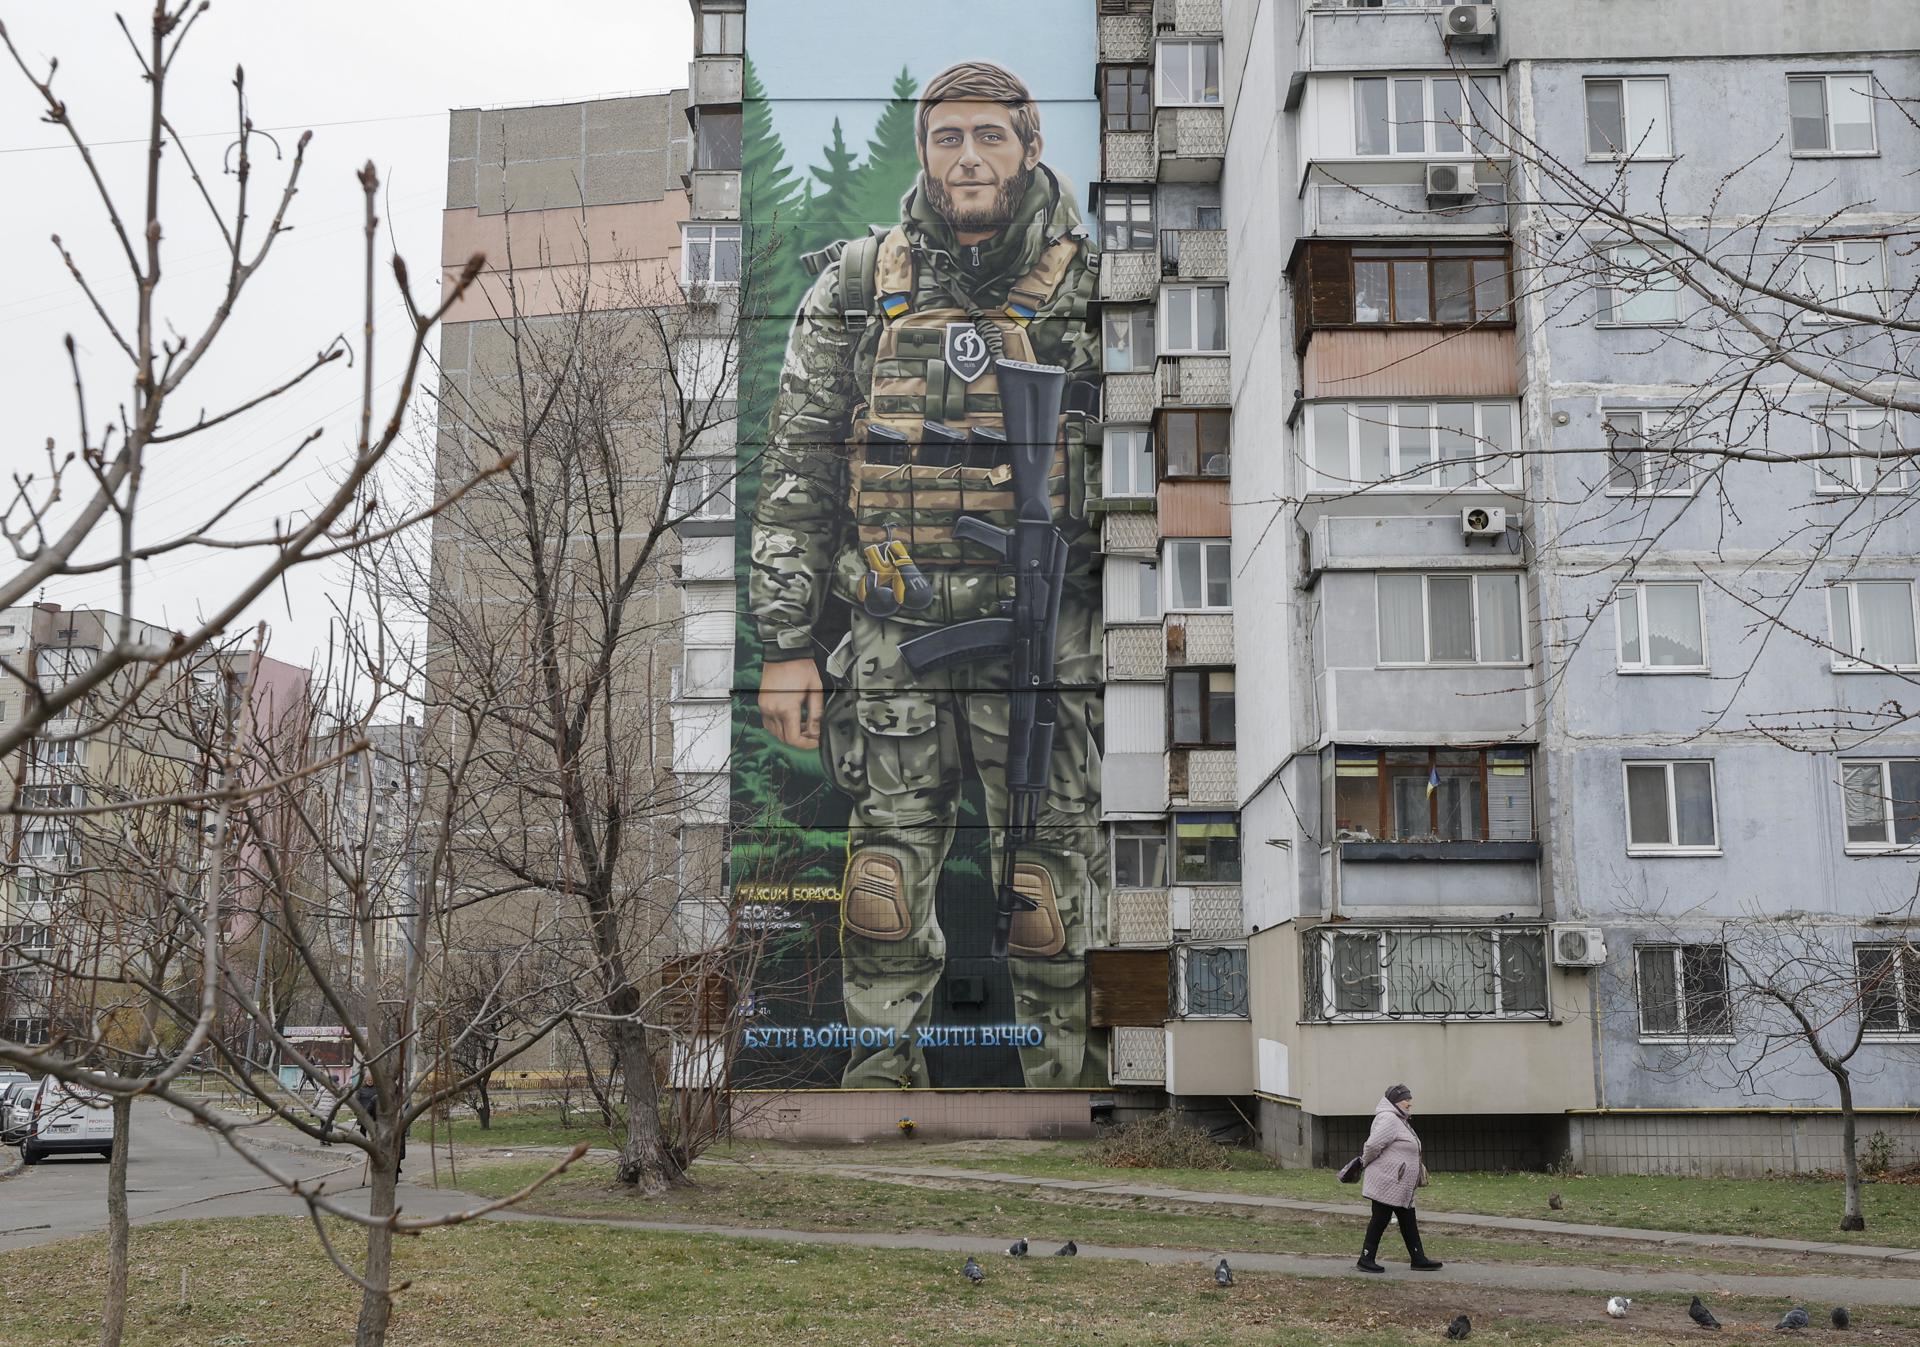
1436 973
1211 981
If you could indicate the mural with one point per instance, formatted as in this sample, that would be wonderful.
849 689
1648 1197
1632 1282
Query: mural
916 773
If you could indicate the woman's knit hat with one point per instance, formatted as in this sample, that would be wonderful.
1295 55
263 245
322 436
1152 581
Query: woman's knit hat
1395 1093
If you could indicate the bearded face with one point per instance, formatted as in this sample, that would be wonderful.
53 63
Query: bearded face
976 166
992 215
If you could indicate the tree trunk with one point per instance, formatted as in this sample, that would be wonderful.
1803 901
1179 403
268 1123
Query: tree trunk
646 1162
376 1300
1854 1219
114 1324
483 1104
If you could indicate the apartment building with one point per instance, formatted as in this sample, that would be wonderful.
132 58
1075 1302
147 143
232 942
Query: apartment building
1540 745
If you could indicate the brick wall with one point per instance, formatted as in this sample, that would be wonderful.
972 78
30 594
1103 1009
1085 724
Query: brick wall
874 1115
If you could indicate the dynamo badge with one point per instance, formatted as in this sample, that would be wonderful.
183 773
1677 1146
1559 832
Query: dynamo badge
966 351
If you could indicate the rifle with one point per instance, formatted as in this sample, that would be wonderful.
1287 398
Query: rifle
1035 553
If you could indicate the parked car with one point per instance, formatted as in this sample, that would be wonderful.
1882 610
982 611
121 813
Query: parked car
12 1083
63 1119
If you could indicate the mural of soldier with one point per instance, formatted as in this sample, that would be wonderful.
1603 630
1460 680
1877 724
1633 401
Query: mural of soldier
884 436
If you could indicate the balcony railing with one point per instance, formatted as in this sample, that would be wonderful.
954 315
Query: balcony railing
1193 254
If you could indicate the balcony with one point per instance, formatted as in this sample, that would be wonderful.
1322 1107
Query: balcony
1193 254
1203 776
1184 18
1194 381
1140 917
1400 35
1137 654
1129 277
1127 397
1127 156
1199 638
1126 39
713 194
1189 144
1131 531
1139 1056
714 80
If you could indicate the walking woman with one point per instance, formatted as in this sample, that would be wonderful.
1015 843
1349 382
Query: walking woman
1394 1171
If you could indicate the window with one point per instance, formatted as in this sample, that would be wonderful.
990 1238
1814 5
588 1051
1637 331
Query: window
1641 457
1132 590
722 33
1199 575
1661 627
1831 114
1189 74
27 1029
1627 119
1206 217
1845 274
1128 346
1129 470
1202 706
1449 619
1682 991
716 141
1435 973
1440 285
1882 799
1126 219
1872 624
1427 115
1139 855
1413 446
1889 989
1198 443
1211 981
710 255
1194 319
1206 848
1860 451
1638 290
1433 794
1124 98
703 488
1670 808
706 671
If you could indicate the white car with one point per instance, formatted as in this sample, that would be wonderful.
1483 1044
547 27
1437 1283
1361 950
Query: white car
11 1083
62 1119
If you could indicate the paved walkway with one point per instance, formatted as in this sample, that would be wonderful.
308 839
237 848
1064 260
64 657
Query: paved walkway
914 1173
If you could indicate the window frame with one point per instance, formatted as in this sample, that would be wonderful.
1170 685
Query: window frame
1610 290
714 236
1826 78
1905 997
1383 795
1200 416
1175 879
1639 597
1147 582
1144 454
706 148
685 687
1324 937
1627 154
1205 673
1134 200
734 19
1826 480
1681 999
1182 997
1191 291
1210 550
1426 621
1191 46
1393 255
1852 663
707 496
1471 146
1891 846
1676 847
1843 261
1160 831
1397 479
1138 108
1141 355
1611 419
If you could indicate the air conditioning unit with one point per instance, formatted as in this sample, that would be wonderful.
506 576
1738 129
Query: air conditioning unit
1483 521
1451 180
1470 21
1579 947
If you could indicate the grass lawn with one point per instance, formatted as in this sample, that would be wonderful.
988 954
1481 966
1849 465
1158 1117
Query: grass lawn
541 1127
742 1195
264 1282
1786 1208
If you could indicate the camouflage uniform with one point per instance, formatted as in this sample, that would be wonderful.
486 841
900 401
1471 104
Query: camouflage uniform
893 740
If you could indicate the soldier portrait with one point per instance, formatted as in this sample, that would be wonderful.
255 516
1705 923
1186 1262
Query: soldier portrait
919 543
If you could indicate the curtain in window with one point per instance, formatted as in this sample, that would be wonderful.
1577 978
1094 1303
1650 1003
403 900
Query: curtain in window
1356 974
1500 618
1450 617
1370 116
1659 992
1886 622
1693 791
1866 810
1673 626
1402 638
1807 109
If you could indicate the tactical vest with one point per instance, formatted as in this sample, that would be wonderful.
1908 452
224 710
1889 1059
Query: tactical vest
895 495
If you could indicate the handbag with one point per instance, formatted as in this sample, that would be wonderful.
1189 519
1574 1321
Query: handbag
1423 1177
1350 1171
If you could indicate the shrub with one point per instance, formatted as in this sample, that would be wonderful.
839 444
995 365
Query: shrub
1159 1142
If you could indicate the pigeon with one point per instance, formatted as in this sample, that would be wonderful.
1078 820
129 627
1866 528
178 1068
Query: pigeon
1617 1307
1792 1321
1460 1329
1553 1200
1701 1315
1841 1319
1067 1250
1222 1274
1018 1249
972 1269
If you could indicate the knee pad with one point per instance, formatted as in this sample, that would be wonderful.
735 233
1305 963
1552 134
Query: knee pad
1038 932
873 898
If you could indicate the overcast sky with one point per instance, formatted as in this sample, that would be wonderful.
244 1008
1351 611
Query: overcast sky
373 81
